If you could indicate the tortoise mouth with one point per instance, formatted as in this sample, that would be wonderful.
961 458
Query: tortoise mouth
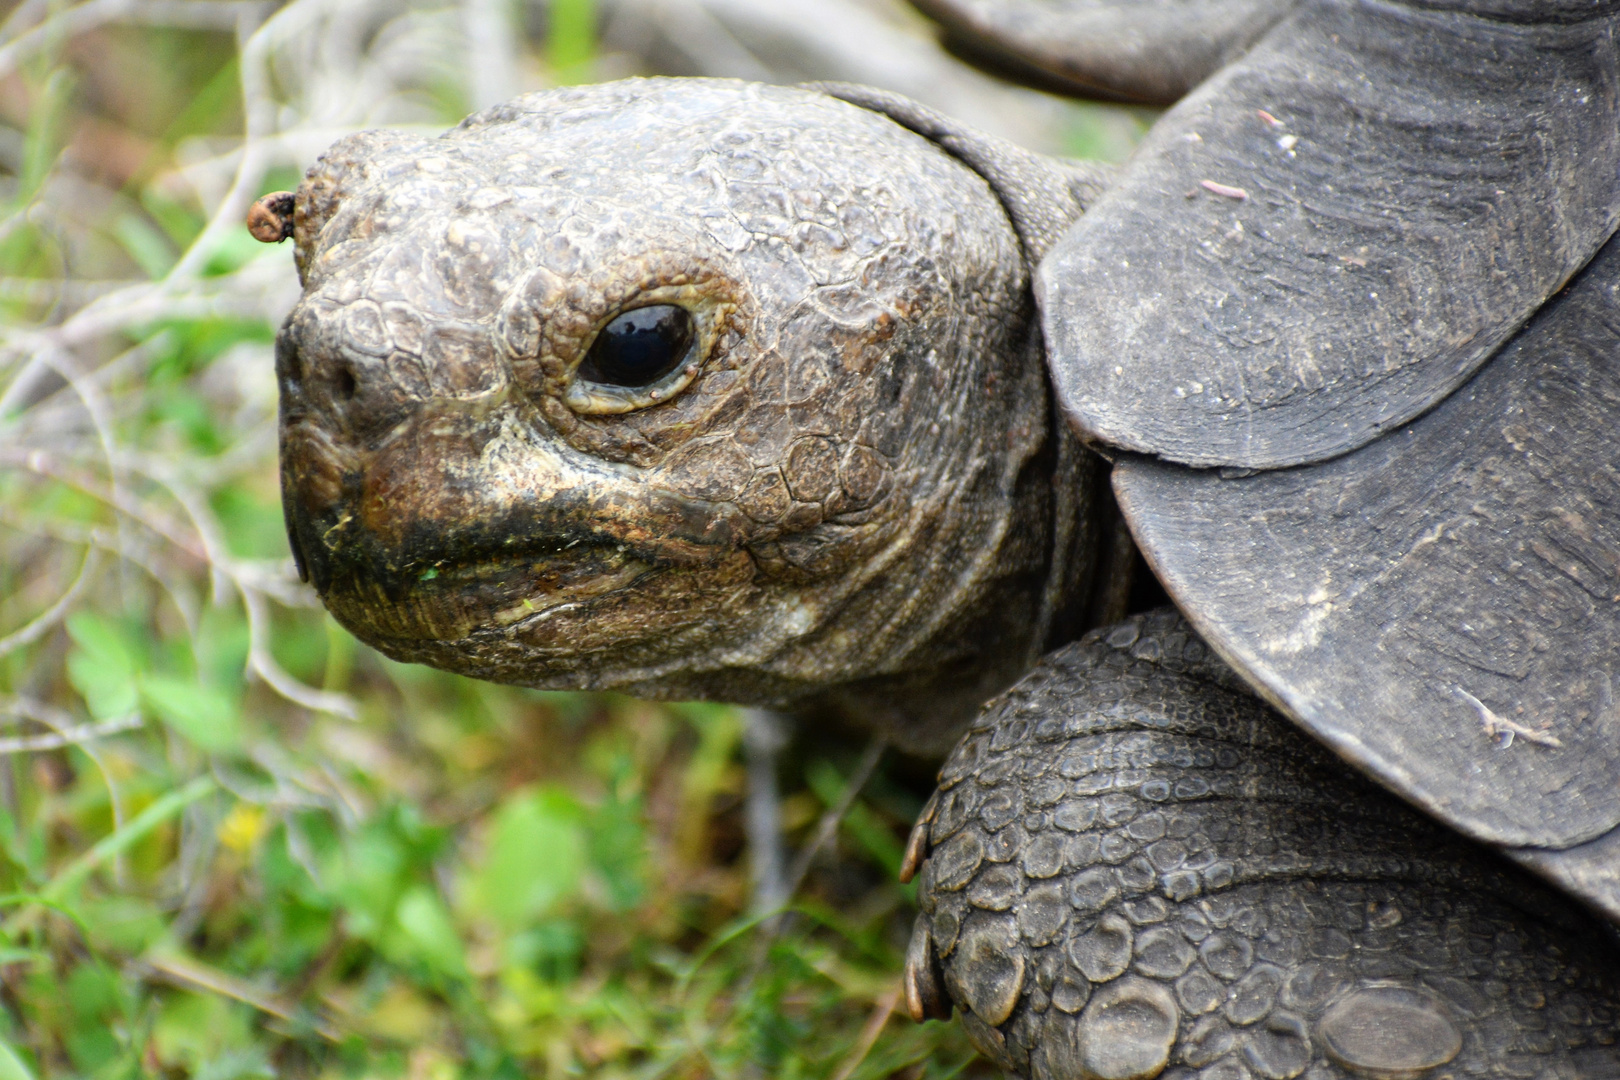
475 592
575 615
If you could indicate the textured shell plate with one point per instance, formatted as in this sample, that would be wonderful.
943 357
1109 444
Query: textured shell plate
1441 607
1333 233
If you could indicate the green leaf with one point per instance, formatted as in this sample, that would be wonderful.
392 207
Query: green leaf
222 644
103 666
12 1066
187 346
125 923
618 848
551 948
215 107
92 992
535 857
104 642
203 715
179 222
366 874
191 1029
249 1064
426 926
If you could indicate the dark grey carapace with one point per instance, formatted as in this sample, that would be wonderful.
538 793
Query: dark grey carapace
702 388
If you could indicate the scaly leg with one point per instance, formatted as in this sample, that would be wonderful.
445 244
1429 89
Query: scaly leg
1135 868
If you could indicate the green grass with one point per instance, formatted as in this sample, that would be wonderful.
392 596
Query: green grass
465 880
458 879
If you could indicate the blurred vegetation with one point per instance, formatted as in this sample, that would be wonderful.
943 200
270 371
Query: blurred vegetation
234 842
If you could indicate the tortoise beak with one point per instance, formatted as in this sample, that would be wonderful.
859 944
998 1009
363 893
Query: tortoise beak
466 517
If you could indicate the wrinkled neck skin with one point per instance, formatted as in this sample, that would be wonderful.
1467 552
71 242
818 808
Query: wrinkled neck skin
989 574
851 491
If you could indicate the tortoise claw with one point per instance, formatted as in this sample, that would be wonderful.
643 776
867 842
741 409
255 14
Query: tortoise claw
924 983
917 842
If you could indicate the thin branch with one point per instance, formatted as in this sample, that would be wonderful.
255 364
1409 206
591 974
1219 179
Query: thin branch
869 1034
48 414
254 292
41 464
262 664
190 975
77 735
22 17
209 533
66 733
95 406
58 290
260 660
763 740
68 879
82 18
491 51
827 827
259 108
40 624
141 557
772 928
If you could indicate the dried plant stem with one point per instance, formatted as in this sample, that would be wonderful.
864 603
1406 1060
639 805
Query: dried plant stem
40 624
763 739
827 827
190 975
869 1034
825 830
77 735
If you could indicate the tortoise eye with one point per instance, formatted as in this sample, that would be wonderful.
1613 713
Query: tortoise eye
639 347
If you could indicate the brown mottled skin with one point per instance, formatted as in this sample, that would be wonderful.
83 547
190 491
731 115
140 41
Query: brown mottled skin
858 493
855 492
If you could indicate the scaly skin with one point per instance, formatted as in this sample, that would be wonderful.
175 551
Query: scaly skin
1134 865
856 493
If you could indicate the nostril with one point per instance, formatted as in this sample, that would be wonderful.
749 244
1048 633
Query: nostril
347 385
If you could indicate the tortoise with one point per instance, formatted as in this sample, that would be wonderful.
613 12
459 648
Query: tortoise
815 399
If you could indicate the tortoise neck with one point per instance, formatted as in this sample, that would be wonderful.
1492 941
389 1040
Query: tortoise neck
1037 551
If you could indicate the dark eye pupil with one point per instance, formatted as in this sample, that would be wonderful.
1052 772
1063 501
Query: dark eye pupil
639 347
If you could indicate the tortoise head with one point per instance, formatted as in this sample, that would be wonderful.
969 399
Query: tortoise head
692 388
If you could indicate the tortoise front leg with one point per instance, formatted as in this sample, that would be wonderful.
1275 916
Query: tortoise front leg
1133 868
